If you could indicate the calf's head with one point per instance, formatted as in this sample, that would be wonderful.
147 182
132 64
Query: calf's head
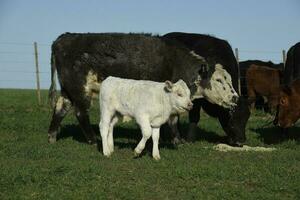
179 95
289 108
217 88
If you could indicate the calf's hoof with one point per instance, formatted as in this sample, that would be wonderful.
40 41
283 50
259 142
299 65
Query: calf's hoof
136 154
107 154
156 157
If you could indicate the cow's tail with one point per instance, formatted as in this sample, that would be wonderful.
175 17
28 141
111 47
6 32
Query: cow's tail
52 89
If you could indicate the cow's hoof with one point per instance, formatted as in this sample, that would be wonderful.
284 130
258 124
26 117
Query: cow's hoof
177 141
92 142
237 144
51 139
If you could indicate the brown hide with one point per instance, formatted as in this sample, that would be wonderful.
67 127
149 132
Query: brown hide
263 81
289 105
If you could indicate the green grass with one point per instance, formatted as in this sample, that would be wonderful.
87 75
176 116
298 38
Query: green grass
30 168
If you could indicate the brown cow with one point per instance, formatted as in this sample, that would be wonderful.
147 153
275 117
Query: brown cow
263 81
289 107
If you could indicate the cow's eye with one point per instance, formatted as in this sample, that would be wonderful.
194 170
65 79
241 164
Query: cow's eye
219 80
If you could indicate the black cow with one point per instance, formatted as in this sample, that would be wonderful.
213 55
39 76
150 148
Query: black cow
216 51
292 65
84 60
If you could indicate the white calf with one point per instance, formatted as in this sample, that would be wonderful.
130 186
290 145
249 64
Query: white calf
150 103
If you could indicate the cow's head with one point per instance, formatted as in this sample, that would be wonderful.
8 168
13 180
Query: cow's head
288 111
215 86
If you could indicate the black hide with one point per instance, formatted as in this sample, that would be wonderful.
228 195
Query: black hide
292 64
215 50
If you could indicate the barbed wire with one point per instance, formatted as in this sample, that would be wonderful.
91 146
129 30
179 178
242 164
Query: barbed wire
19 80
21 71
260 51
44 62
24 43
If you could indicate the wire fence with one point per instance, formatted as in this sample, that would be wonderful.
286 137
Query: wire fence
24 65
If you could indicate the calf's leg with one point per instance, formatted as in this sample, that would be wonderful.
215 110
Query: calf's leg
155 139
61 108
110 134
104 126
146 131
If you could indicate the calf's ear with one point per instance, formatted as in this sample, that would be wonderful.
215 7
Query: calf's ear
168 86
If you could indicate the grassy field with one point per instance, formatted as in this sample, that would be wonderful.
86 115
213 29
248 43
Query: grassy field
30 168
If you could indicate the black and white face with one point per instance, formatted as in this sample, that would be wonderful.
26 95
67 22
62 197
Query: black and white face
218 89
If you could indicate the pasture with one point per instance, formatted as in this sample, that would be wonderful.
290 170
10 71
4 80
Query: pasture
30 168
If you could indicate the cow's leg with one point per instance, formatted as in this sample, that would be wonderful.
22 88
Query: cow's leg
61 108
104 127
155 139
194 117
110 134
251 97
173 123
273 102
147 132
84 122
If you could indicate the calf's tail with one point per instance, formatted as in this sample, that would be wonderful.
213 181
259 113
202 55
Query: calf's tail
52 89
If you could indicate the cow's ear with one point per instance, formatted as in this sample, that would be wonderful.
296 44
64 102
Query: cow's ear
197 83
168 86
204 83
283 101
203 71
218 66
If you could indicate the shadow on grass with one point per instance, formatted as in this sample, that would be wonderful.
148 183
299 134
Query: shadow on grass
71 131
274 135
133 135
201 134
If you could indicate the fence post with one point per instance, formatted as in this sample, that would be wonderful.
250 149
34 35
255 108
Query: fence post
37 72
283 57
239 72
